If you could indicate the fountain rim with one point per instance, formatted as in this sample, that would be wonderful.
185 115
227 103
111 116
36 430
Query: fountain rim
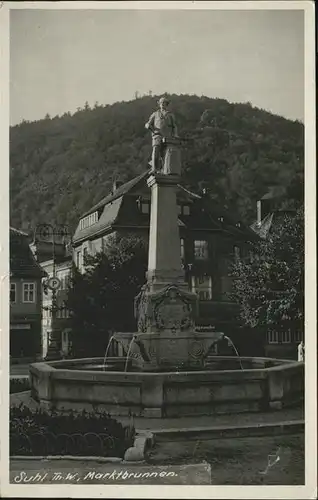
57 367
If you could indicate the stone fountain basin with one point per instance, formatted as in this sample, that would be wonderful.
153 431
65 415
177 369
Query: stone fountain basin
266 384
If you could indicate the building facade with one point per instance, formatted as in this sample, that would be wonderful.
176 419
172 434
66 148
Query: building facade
54 319
25 299
210 240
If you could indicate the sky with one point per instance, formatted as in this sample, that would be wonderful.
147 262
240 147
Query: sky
61 58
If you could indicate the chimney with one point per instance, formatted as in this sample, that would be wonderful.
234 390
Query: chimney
259 212
266 204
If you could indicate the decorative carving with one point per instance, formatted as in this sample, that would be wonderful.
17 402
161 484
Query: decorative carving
143 352
173 310
141 309
168 309
196 349
152 351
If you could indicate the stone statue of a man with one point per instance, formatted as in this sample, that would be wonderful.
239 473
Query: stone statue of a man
163 127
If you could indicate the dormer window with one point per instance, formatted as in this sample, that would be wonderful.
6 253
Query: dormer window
89 220
221 219
238 224
145 207
183 210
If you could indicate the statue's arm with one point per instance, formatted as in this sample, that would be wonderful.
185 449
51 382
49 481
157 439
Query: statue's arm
150 123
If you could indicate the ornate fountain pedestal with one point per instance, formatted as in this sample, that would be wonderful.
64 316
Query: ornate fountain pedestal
166 338
165 310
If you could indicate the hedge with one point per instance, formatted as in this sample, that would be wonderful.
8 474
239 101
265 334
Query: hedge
19 385
41 433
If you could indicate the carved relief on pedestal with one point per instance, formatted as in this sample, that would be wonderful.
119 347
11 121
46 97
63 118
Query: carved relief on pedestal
152 352
141 309
173 310
170 309
196 349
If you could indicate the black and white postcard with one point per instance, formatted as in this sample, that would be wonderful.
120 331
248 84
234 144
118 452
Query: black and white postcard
158 263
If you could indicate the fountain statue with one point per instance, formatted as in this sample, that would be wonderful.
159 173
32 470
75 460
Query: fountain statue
165 309
162 125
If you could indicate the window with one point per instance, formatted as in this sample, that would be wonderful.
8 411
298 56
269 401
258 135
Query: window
28 292
272 337
183 210
145 207
78 259
298 336
62 280
85 254
202 285
182 248
89 220
286 337
201 250
13 293
65 336
67 280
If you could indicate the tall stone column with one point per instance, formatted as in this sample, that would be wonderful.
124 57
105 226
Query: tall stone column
164 257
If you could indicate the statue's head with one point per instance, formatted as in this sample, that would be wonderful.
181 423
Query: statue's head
163 102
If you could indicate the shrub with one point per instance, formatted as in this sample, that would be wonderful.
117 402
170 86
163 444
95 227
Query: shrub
40 432
19 385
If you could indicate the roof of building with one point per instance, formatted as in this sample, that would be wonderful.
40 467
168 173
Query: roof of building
211 216
120 191
225 220
22 260
264 227
107 218
13 230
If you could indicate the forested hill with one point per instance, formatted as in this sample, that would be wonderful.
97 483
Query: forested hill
62 166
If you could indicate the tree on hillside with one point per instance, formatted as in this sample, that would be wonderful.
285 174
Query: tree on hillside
270 285
101 299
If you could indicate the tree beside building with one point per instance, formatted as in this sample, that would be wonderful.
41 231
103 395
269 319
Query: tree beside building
269 284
